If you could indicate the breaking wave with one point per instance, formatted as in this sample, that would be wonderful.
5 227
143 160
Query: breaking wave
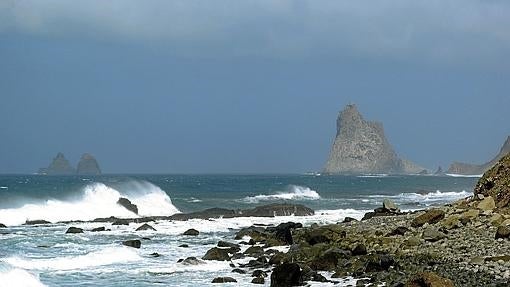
427 198
464 175
294 192
95 200
107 256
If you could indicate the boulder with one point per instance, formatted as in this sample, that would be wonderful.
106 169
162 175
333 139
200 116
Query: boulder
360 249
2 225
283 232
224 280
121 222
218 254
378 262
191 232
192 261
470 214
145 226
258 280
254 251
451 222
390 205
432 235
401 230
287 274
239 271
126 203
349 219
98 229
496 219
486 204
227 244
74 230
328 260
133 243
259 273
429 279
432 216
503 231
278 209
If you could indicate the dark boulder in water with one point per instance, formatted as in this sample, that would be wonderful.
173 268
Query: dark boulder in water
121 222
287 274
97 229
88 165
145 226
216 253
277 209
2 225
126 203
133 243
74 230
224 280
191 232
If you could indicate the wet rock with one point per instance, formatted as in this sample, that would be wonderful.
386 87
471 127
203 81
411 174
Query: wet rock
36 222
145 226
155 254
360 249
256 233
133 243
192 261
432 235
432 216
324 234
74 230
503 231
283 233
126 203
184 245
348 219
487 203
258 280
259 273
191 232
328 260
121 222
378 262
227 244
2 225
224 280
98 229
218 254
287 274
429 279
239 271
254 251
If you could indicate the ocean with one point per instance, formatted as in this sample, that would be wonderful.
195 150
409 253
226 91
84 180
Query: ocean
45 256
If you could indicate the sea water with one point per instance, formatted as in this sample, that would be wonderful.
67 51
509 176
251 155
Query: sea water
45 256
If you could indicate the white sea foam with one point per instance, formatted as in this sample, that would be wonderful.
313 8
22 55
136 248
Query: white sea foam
373 175
96 200
14 277
293 192
426 198
107 256
4 187
464 175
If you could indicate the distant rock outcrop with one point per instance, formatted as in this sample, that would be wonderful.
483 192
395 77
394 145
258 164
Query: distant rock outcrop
88 165
59 166
361 147
496 183
471 169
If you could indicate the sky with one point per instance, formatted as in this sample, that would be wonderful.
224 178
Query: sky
248 86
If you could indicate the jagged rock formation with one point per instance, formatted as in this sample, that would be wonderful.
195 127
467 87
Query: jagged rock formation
361 147
88 165
496 182
471 169
59 166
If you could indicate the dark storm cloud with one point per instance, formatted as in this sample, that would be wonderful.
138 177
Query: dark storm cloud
436 30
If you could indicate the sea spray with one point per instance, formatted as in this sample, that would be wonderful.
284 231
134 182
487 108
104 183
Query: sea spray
293 192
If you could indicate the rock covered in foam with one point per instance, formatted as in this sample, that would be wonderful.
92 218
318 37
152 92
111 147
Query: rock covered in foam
73 229
88 165
133 243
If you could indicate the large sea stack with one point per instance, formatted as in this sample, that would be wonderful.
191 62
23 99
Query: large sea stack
59 166
88 165
360 147
472 169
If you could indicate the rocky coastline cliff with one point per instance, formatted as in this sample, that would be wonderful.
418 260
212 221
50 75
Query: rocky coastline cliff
360 147
474 169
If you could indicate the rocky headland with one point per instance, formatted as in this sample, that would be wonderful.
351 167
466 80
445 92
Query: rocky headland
360 147
470 169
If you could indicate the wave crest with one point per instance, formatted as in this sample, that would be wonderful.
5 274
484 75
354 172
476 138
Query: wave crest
294 192
96 200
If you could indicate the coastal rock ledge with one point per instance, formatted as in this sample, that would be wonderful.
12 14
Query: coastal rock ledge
360 147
